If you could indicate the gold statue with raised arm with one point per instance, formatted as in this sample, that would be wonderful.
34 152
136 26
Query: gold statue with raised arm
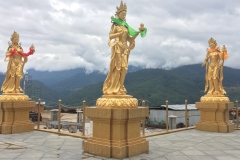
122 41
16 59
214 62
116 116
214 107
121 36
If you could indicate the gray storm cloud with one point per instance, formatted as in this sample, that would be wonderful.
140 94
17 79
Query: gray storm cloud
69 34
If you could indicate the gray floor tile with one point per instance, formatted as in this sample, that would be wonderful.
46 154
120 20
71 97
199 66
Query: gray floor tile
214 152
203 147
50 158
3 146
91 158
177 153
50 155
173 157
233 152
190 144
193 153
202 158
153 155
223 157
12 151
9 155
161 158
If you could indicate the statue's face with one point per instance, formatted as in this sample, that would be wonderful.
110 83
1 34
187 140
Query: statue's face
212 45
122 15
15 40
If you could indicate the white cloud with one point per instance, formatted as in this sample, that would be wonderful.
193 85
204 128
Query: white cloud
74 33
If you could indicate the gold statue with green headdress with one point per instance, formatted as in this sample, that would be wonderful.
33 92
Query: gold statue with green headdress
122 41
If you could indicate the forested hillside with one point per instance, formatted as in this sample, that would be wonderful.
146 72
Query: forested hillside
153 85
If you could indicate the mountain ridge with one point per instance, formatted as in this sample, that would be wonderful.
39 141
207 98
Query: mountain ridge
153 85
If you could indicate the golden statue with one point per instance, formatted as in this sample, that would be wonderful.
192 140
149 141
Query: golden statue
214 62
123 37
122 41
16 60
214 107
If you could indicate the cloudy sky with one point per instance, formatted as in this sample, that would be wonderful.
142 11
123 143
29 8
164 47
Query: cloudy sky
69 34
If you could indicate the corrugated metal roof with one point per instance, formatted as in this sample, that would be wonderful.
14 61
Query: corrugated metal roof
41 103
181 106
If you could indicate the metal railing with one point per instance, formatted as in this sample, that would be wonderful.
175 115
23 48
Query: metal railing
143 125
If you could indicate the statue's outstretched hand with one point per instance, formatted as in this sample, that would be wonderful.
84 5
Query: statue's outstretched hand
32 48
141 27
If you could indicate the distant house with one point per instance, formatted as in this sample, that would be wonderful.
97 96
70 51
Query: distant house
35 109
158 114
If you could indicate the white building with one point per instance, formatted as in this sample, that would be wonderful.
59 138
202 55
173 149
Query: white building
158 114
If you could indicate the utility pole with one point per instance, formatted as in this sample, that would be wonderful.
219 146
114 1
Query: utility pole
24 82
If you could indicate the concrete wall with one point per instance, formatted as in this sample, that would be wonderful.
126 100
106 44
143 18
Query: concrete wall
160 115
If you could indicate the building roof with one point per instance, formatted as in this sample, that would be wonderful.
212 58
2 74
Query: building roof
42 103
176 107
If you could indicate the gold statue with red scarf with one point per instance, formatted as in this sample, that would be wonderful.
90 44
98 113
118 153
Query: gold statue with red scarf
16 59
14 105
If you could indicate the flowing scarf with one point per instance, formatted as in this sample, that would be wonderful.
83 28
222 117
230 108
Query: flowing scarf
31 51
131 31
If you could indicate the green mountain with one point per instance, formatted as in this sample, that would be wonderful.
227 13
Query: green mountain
89 93
153 85
77 82
197 72
53 77
157 85
37 90
56 78
2 77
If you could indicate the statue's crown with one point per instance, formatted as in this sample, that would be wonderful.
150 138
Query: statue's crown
122 7
211 40
14 35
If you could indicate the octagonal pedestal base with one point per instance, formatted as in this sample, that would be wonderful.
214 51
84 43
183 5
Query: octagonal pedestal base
14 117
116 132
214 117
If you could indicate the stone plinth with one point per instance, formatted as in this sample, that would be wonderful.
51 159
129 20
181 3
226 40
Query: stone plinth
214 116
14 117
116 132
79 116
172 122
54 115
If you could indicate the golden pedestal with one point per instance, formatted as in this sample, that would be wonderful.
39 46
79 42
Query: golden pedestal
116 130
214 113
14 115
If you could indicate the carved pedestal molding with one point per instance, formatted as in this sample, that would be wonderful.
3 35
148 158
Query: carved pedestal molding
116 132
14 113
215 114
214 98
117 101
13 97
